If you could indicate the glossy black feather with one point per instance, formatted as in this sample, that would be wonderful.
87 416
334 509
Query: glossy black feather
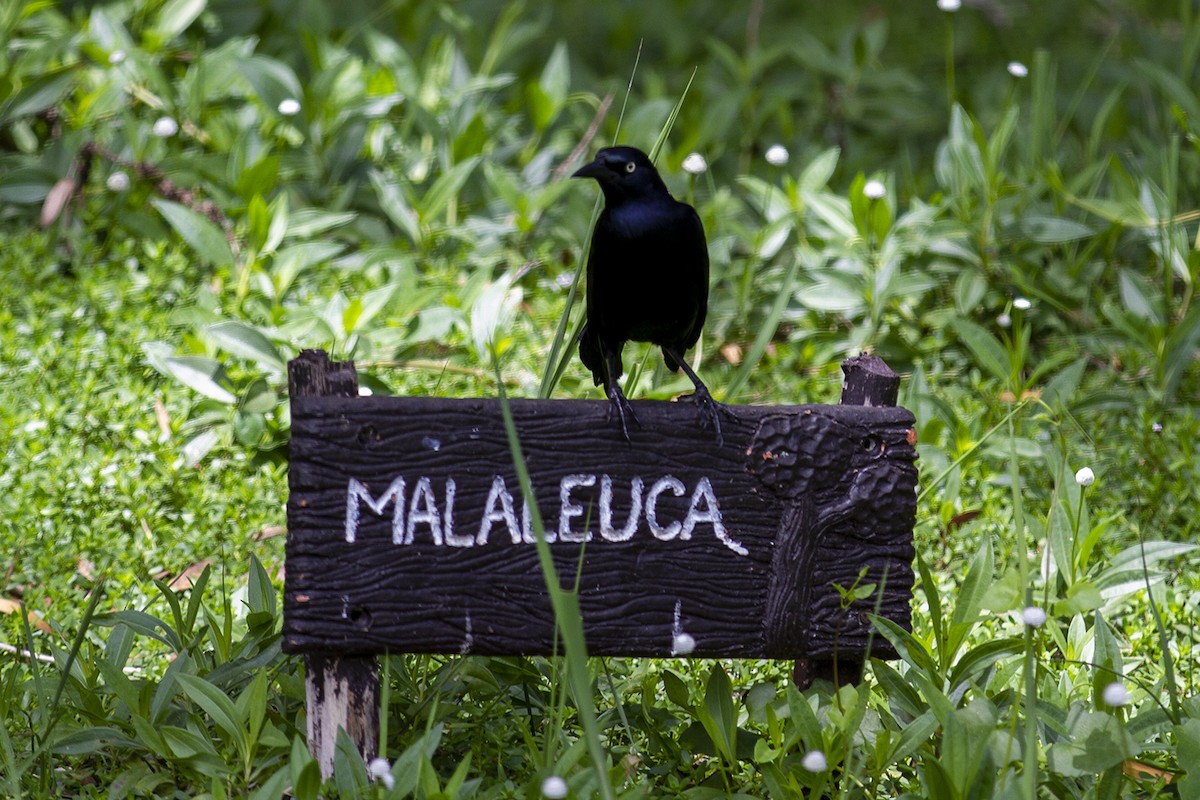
647 273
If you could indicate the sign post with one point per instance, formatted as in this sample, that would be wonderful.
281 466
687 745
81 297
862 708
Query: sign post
408 532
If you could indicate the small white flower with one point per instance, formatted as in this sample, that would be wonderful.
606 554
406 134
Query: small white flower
695 164
683 644
117 182
1033 616
116 57
1022 304
1156 427
814 761
365 391
1115 694
777 155
874 190
949 5
1017 69
1085 477
554 788
289 106
380 770
165 126
1004 320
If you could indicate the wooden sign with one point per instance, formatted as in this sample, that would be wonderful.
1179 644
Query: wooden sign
408 532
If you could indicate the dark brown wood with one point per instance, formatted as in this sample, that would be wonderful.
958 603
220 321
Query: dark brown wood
339 692
797 501
868 382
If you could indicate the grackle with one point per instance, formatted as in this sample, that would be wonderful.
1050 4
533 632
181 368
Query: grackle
647 277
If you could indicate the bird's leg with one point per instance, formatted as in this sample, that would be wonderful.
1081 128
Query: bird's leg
612 368
707 407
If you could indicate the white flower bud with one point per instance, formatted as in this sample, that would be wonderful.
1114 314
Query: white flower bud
1116 695
874 190
1017 69
165 127
117 182
814 761
381 771
777 155
1033 616
949 5
695 164
1085 477
1022 304
554 788
289 106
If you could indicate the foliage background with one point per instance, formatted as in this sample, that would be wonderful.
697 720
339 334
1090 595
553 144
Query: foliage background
174 229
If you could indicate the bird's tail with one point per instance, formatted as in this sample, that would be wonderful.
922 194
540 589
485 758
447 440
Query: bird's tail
590 355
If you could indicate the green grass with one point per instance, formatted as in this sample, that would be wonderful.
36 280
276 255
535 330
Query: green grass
417 193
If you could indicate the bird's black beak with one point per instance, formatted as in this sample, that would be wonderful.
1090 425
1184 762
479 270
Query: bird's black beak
593 169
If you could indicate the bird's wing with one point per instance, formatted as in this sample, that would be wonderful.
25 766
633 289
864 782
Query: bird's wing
591 351
695 250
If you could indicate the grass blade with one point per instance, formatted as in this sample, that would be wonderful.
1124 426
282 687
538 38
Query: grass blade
565 604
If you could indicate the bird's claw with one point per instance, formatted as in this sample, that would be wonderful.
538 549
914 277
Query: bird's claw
709 411
625 412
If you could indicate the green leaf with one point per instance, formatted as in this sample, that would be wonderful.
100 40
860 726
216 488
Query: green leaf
248 342
987 349
38 95
1053 230
174 18
306 223
219 707
1062 387
260 594
272 80
982 656
183 743
201 233
1187 738
1109 666
1135 296
676 689
969 289
817 172
200 374
1094 742
968 606
549 94
291 261
1183 343
258 398
717 715
439 197
276 785
93 740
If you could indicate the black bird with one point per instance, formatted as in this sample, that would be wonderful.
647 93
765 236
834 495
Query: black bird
647 277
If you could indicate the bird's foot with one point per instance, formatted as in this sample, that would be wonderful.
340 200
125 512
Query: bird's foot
624 409
709 411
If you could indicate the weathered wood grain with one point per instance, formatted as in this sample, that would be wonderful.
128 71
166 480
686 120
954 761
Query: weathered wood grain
809 497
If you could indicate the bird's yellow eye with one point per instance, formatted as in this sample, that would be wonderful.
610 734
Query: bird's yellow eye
630 166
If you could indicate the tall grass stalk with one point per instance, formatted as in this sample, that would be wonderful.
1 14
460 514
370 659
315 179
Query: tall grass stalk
567 615
560 345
